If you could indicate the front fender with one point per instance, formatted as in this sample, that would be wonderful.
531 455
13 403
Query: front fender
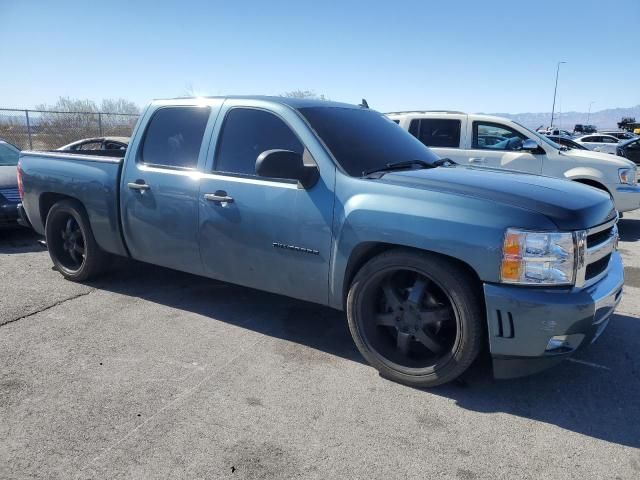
468 229
586 173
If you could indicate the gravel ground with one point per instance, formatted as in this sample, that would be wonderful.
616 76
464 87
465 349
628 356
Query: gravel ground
150 373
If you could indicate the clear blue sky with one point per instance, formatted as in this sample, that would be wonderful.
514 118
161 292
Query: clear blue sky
490 56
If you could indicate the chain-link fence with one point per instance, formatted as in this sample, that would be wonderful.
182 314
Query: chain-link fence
48 130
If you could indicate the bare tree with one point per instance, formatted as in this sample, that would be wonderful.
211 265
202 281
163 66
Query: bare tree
120 105
71 119
305 94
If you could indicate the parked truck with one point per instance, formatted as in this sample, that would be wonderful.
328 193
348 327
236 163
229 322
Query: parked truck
334 204
496 142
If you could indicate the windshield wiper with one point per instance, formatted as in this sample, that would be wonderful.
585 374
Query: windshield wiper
444 162
389 167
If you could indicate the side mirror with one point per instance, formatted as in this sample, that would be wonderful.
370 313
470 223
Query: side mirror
286 164
529 145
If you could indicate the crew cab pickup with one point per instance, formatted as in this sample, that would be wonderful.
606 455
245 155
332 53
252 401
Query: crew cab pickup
335 204
495 142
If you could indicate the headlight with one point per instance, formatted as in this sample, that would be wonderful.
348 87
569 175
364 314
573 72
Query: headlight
538 258
627 175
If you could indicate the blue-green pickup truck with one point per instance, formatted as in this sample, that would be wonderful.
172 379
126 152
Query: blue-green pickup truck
335 204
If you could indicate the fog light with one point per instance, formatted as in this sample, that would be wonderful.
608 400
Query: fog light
558 344
564 343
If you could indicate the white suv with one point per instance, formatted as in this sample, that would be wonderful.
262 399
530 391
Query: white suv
495 142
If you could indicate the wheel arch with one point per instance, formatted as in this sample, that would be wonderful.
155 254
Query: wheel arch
49 199
110 241
365 251
592 183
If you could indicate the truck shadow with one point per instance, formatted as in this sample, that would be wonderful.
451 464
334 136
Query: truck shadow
19 240
595 395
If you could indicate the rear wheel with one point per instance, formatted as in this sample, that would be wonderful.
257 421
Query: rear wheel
416 317
71 244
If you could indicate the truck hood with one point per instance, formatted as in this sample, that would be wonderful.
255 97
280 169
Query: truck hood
8 177
579 155
571 206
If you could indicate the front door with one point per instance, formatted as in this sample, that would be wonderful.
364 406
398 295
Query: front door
159 190
269 234
499 146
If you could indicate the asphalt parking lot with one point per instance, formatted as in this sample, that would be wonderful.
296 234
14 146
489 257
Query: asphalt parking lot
150 373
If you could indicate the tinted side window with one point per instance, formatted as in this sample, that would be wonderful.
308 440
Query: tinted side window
114 146
491 136
591 139
8 156
439 133
90 146
247 133
174 136
414 128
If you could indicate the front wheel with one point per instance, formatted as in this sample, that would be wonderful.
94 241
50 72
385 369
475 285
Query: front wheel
71 244
416 317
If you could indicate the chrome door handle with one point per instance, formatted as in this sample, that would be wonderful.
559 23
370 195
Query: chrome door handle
138 186
477 160
218 197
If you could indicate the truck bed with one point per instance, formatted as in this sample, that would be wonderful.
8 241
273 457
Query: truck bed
94 180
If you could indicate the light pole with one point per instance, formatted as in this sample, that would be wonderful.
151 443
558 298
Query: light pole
589 114
555 90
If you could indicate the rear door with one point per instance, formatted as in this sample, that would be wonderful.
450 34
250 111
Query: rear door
609 144
592 142
442 135
265 233
160 185
499 146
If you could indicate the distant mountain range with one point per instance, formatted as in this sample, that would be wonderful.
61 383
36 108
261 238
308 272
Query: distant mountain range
603 119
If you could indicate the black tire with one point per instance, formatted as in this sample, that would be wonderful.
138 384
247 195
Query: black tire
71 244
444 320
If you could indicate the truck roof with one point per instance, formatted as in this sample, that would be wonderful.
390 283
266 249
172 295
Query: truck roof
444 113
290 101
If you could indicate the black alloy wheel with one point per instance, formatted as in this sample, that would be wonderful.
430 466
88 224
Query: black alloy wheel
416 317
71 244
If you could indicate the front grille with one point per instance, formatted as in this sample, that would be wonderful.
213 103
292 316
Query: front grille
11 194
599 237
599 244
597 267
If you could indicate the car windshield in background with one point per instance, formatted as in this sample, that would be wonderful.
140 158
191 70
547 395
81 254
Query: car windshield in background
364 140
9 155
544 138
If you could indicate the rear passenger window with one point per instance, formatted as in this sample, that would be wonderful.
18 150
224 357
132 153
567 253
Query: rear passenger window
414 128
437 133
174 137
247 133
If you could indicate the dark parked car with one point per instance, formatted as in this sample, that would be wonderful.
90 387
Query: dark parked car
630 149
566 142
9 197
584 129
107 146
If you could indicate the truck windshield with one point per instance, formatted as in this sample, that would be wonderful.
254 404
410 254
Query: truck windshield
364 140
